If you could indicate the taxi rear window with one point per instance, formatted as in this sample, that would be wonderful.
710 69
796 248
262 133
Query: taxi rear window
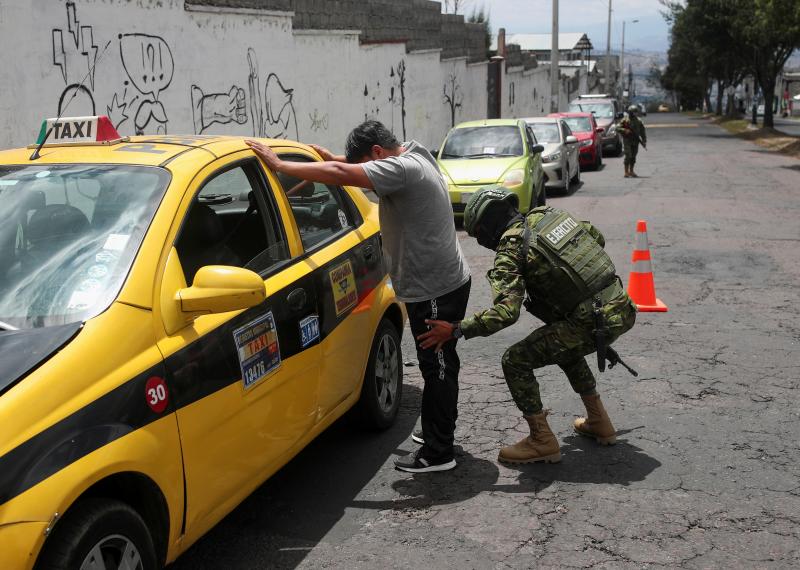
68 235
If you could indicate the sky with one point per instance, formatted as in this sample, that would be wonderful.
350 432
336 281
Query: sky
590 16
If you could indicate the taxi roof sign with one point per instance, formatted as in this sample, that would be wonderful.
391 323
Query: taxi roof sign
77 130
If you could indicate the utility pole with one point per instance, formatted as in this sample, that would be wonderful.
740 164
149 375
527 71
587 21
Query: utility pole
608 52
554 75
622 65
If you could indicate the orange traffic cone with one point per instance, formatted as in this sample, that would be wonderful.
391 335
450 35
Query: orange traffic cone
640 285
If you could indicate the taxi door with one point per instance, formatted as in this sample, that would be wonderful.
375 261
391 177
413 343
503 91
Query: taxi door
350 268
245 383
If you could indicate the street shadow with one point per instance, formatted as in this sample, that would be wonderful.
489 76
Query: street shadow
791 166
285 518
583 461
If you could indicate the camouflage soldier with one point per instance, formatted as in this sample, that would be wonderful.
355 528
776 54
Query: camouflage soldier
570 283
633 133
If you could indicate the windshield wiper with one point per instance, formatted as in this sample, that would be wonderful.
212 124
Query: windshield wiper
7 327
448 155
485 154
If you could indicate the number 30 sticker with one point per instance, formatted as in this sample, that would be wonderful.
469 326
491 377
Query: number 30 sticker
156 394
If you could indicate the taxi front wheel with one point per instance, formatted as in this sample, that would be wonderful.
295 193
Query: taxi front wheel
383 381
99 533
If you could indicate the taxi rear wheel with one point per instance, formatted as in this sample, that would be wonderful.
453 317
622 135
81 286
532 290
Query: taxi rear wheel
99 533
383 381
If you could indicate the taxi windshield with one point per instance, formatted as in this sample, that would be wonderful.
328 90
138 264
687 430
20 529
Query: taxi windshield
483 142
68 236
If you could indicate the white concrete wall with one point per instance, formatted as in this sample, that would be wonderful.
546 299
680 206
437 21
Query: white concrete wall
157 67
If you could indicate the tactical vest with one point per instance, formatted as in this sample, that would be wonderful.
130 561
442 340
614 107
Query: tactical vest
578 267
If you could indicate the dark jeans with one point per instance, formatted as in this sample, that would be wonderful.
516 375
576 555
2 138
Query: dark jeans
439 371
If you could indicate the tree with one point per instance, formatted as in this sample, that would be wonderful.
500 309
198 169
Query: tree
768 31
722 41
456 5
481 16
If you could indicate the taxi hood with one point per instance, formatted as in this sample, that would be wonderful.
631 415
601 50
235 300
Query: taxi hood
481 170
22 351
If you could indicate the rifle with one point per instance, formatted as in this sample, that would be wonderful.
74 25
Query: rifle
614 359
600 334
605 352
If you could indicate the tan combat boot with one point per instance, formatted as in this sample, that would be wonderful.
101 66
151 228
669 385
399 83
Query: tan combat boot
627 172
541 445
597 424
632 173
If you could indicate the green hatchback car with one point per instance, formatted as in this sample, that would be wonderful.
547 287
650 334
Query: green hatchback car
493 151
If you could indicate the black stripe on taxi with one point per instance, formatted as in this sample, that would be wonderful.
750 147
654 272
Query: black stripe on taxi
200 369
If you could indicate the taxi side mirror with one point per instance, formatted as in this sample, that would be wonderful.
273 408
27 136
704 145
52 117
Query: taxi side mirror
571 139
600 130
220 288
537 149
435 153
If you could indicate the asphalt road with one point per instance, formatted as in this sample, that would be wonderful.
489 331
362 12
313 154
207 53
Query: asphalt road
788 126
705 474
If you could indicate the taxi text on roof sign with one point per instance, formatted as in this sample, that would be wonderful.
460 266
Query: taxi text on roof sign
78 130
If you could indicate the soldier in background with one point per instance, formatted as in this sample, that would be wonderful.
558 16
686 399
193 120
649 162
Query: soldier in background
571 284
633 132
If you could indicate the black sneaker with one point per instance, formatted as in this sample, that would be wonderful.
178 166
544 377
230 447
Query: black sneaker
418 464
417 437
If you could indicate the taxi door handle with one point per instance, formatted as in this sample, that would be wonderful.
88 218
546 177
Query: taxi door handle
297 299
369 253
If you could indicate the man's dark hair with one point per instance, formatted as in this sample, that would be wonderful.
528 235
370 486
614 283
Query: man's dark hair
361 140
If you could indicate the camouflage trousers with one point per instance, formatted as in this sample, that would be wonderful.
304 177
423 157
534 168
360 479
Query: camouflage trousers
630 148
565 344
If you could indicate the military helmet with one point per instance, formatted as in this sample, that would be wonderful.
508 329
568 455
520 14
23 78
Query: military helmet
633 109
480 201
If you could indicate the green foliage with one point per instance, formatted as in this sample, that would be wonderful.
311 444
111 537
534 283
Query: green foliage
480 15
725 40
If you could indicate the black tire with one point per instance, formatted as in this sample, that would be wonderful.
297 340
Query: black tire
599 159
567 180
99 527
576 180
542 199
380 395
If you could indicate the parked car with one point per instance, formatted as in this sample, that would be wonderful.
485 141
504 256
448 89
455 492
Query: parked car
493 151
585 129
663 108
560 154
177 324
607 110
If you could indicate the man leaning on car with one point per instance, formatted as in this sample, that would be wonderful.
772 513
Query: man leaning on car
428 269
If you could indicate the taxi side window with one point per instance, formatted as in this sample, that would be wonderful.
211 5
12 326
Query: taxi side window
230 222
320 210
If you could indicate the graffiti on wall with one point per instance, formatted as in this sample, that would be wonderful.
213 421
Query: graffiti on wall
221 108
453 97
394 93
318 122
401 83
271 108
147 61
76 56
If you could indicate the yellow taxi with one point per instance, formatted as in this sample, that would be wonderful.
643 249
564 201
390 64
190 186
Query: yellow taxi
176 323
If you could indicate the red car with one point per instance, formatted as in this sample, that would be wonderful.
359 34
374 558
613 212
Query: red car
585 129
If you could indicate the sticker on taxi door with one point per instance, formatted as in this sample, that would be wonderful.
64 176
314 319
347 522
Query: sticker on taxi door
257 347
343 284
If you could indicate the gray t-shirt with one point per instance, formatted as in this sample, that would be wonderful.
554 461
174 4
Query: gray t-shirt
422 253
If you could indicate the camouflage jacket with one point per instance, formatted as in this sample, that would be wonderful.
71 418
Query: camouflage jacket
509 284
630 127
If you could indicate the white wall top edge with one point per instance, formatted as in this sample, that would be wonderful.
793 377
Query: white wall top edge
234 10
327 32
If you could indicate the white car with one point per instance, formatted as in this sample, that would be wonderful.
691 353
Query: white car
560 155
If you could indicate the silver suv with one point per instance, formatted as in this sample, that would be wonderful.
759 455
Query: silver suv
607 110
